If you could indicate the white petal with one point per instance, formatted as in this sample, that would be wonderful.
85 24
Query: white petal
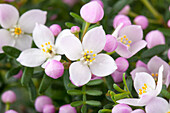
94 39
24 42
42 35
57 57
32 57
72 47
63 33
5 39
8 15
130 101
103 66
115 33
28 19
143 78
79 73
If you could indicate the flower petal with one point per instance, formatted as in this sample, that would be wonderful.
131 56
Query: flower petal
42 35
94 39
79 73
133 32
65 32
32 57
143 78
157 105
28 19
140 64
72 47
103 66
6 39
129 101
57 57
8 15
115 33
24 42
138 69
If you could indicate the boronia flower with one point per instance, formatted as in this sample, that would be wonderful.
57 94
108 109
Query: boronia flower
148 90
47 50
129 40
16 30
88 60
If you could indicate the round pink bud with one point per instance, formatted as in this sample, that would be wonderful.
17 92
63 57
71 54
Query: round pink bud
169 54
117 76
55 29
154 38
67 109
75 29
119 19
142 21
100 2
92 12
138 111
8 97
41 101
54 69
19 75
111 43
125 10
11 111
125 22
168 23
122 64
121 108
49 109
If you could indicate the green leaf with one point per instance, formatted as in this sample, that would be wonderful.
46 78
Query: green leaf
11 51
94 92
76 103
129 82
76 17
117 88
66 80
121 95
165 31
69 24
75 92
109 82
93 103
93 26
84 109
165 93
27 74
95 82
2 55
12 72
105 111
45 83
154 51
32 90
71 85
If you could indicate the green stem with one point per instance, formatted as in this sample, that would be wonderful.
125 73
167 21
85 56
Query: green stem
132 14
85 29
110 53
7 106
84 97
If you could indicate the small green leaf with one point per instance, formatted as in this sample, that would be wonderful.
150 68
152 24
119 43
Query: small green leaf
165 31
2 55
105 111
109 82
76 17
93 26
165 93
121 95
75 92
12 72
94 92
95 82
84 109
117 88
129 83
69 24
11 51
76 103
45 83
32 90
71 85
154 51
93 103
27 74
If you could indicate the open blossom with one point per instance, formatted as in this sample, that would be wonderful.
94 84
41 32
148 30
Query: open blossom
129 40
46 51
89 61
152 68
148 90
16 30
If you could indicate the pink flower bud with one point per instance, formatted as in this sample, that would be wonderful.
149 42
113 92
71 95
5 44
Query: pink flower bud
138 111
41 101
125 10
122 64
100 2
75 29
49 109
92 12
11 111
111 43
121 108
142 21
54 69
117 76
169 54
154 38
121 19
168 23
55 29
67 109
19 75
8 97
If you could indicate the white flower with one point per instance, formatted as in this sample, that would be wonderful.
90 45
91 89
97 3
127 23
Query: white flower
16 30
89 61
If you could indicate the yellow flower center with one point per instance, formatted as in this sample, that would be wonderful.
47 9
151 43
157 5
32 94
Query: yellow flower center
125 41
155 76
47 48
88 57
17 31
143 89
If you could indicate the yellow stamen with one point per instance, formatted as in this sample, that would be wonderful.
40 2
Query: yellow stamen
50 46
84 53
124 42
129 42
140 89
91 51
93 58
49 43
46 44
156 74
126 39
94 55
140 93
43 50
144 88
42 45
124 36
153 74
144 91
88 56
87 51
128 45
17 31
